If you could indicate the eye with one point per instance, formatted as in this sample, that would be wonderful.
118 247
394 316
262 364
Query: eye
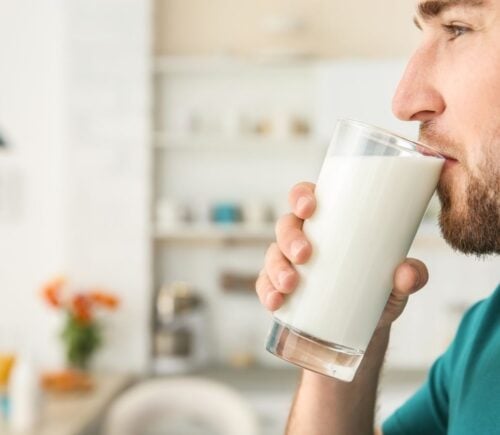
455 30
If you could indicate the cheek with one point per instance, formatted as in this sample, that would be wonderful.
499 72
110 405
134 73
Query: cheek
474 87
473 103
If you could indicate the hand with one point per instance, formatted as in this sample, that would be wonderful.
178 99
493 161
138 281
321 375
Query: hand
279 276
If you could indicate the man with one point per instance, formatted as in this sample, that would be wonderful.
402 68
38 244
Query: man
452 87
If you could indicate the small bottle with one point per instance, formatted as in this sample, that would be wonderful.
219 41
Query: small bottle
24 396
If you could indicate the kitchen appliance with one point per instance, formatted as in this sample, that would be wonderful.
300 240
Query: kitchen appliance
3 142
180 341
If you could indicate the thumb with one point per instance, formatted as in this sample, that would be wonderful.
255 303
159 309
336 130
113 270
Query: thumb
410 276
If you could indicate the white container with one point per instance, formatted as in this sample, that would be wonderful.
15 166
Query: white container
24 396
256 213
170 213
372 192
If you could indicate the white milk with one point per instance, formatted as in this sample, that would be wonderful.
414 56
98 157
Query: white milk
369 209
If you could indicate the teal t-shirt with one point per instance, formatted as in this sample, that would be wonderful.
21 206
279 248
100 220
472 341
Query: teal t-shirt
462 393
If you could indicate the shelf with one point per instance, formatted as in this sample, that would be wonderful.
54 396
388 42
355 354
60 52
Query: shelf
228 64
223 234
246 234
166 141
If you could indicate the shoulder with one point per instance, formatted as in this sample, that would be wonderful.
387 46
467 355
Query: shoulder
481 321
481 311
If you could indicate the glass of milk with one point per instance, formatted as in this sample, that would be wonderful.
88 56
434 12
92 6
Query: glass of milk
372 192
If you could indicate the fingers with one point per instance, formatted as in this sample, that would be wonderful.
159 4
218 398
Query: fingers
279 270
271 298
410 276
302 200
276 279
279 276
291 240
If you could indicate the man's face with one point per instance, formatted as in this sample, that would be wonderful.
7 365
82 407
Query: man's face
452 86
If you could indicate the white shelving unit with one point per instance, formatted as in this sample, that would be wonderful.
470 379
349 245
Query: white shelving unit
217 139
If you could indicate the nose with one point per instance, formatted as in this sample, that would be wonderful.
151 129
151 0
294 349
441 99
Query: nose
417 97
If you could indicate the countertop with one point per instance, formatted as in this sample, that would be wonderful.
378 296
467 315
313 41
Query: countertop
75 413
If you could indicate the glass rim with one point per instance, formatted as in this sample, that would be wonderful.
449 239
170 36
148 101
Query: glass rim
366 126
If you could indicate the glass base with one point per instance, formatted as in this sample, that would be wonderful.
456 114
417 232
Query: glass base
311 353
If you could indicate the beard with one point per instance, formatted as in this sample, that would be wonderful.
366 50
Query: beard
474 228
470 224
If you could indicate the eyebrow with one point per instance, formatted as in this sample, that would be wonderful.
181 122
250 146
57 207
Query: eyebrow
429 9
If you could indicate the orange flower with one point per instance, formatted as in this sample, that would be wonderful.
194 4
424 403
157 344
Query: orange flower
51 291
104 299
81 307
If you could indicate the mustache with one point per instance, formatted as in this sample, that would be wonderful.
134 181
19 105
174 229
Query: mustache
442 143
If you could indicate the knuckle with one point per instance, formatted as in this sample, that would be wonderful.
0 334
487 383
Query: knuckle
286 225
270 252
294 193
282 221
260 289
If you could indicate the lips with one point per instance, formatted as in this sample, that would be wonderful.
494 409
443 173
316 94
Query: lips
448 157
449 160
438 143
449 163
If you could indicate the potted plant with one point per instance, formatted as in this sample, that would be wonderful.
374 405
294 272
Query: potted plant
82 332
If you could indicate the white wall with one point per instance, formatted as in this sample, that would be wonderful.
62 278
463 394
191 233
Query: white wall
74 104
31 236
108 177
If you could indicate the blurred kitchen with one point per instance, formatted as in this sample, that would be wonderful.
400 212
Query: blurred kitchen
146 150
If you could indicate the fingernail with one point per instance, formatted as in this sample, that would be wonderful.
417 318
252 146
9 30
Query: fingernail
417 282
297 247
283 276
304 202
